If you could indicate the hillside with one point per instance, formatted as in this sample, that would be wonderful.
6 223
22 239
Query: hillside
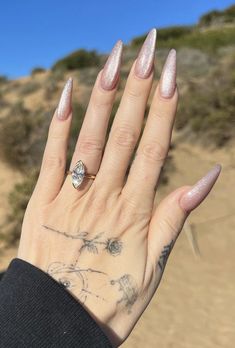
195 305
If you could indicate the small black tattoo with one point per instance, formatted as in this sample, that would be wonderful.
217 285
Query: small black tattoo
164 255
73 236
128 288
90 244
113 245
71 276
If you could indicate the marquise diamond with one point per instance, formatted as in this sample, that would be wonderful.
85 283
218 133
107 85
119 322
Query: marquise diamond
78 174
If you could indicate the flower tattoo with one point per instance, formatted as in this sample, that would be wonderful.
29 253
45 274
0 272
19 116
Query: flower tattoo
114 246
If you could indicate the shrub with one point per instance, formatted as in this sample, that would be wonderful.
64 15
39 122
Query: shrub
28 88
209 111
18 200
3 79
51 85
230 14
208 41
87 76
37 70
77 60
214 17
3 102
165 34
22 135
174 32
209 18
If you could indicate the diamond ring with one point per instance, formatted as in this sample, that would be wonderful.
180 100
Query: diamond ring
79 173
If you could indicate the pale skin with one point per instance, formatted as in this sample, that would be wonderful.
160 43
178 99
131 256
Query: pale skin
106 242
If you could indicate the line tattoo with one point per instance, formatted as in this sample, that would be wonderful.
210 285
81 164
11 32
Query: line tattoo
71 276
112 245
164 255
129 290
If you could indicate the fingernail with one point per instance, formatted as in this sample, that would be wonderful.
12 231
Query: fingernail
168 78
200 190
110 73
145 59
64 106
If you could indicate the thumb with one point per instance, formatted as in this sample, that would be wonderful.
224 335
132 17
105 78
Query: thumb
169 217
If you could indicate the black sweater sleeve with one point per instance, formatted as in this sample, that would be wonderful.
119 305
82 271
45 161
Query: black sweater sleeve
36 311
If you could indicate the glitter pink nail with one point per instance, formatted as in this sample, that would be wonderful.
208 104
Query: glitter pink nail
64 107
145 59
168 78
200 190
110 73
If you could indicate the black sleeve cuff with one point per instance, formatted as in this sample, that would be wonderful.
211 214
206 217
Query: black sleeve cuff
37 311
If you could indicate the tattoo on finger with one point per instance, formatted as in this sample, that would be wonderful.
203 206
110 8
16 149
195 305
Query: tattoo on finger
164 255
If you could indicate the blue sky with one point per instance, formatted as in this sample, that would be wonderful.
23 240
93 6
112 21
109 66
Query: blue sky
37 33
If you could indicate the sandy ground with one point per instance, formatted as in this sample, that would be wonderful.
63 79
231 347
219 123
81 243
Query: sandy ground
195 303
7 177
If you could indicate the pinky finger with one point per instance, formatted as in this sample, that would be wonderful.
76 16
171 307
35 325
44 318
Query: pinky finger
169 217
53 164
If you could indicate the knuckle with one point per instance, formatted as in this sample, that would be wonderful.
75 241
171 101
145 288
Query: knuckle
90 146
56 138
129 200
132 208
125 136
98 202
155 152
100 102
98 205
134 93
156 114
53 161
167 226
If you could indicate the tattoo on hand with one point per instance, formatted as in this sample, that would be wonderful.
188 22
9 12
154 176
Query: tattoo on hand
164 255
129 290
112 245
71 276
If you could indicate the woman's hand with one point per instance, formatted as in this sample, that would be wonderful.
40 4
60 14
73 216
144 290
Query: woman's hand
104 241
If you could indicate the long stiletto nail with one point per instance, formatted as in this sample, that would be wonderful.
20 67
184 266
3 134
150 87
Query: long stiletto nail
110 73
168 78
145 59
200 190
64 106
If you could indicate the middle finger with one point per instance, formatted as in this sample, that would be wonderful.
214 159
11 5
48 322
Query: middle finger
127 124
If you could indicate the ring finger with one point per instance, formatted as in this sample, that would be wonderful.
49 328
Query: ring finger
90 143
